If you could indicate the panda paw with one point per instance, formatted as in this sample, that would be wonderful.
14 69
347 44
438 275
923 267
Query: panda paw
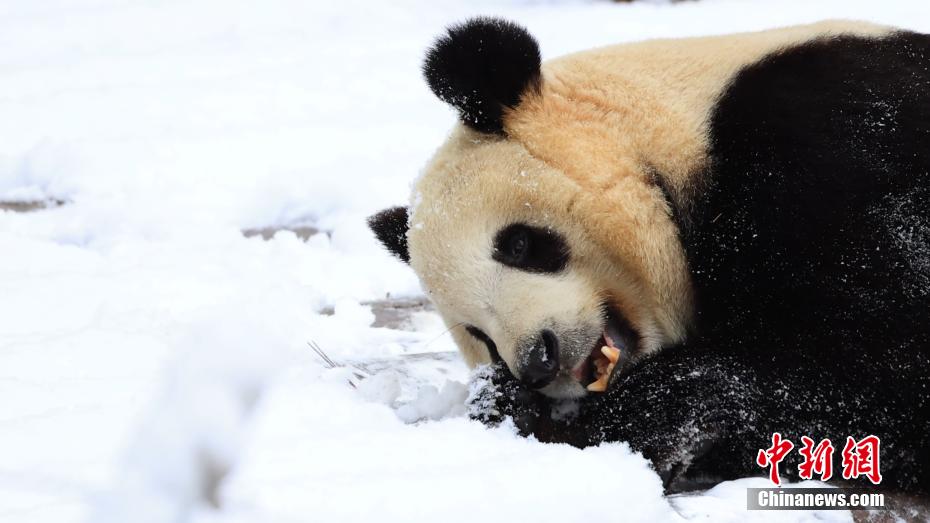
495 395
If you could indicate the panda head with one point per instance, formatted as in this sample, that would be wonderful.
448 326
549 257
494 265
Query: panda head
532 251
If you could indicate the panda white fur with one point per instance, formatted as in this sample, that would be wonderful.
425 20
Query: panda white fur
747 217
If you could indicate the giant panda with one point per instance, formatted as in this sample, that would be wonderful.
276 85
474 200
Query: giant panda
745 217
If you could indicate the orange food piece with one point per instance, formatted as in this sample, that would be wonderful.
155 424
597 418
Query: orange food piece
603 368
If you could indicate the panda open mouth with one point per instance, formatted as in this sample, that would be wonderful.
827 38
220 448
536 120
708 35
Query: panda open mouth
611 351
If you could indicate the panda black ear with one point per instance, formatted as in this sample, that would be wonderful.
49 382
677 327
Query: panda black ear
390 226
482 67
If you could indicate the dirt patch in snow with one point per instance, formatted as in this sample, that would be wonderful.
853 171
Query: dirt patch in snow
303 232
30 206
393 313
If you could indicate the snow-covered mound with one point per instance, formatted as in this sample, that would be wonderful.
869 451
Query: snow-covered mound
158 365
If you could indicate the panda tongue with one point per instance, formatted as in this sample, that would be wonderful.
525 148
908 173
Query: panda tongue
614 338
609 341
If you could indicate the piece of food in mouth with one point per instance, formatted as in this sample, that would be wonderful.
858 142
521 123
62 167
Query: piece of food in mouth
604 365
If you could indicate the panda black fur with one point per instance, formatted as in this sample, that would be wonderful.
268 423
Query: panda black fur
806 231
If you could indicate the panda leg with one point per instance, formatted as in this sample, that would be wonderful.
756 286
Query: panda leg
693 414
675 408
701 416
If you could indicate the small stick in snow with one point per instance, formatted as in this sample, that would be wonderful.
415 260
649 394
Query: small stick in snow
319 351
332 364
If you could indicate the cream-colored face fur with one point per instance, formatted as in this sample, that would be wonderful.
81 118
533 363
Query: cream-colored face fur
581 156
482 184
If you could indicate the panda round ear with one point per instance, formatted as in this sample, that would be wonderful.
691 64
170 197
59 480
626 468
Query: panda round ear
482 67
390 226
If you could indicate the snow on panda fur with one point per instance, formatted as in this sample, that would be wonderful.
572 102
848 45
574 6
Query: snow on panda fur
745 217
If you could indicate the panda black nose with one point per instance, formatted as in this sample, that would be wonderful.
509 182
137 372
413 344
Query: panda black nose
541 360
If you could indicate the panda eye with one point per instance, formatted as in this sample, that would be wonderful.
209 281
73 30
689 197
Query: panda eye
517 244
531 249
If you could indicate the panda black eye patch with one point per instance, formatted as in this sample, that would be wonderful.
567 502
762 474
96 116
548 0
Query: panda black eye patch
531 249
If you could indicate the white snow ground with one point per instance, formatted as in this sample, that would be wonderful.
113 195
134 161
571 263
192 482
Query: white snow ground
147 348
